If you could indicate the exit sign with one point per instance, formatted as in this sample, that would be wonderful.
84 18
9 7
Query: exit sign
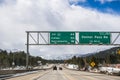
94 38
62 38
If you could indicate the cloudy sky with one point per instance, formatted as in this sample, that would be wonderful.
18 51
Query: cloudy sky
18 16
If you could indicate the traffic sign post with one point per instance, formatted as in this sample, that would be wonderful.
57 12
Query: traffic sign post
94 38
118 51
92 64
62 38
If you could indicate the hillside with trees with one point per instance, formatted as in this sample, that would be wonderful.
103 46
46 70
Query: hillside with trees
105 57
19 59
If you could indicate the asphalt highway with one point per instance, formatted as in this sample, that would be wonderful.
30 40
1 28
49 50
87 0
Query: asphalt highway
65 75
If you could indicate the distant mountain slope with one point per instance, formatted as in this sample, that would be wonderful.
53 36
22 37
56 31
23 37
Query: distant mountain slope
103 54
100 54
109 56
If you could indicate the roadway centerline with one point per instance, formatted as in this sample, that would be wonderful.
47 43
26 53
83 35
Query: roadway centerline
68 77
42 75
53 75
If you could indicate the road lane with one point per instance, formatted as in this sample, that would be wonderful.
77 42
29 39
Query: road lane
78 75
54 75
66 75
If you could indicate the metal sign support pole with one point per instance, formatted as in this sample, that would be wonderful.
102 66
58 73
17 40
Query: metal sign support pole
27 55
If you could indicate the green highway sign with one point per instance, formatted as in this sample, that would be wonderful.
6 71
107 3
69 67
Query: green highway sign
94 38
62 38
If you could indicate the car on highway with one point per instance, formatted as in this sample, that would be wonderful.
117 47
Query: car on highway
60 68
54 68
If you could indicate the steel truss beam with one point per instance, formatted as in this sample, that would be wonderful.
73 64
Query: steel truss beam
43 38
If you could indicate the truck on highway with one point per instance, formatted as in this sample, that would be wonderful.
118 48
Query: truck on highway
72 66
110 70
103 69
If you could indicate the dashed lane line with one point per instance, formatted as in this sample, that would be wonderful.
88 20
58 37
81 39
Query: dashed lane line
42 75
68 77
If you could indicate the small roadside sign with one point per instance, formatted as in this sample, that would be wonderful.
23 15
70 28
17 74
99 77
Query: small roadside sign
118 51
92 64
